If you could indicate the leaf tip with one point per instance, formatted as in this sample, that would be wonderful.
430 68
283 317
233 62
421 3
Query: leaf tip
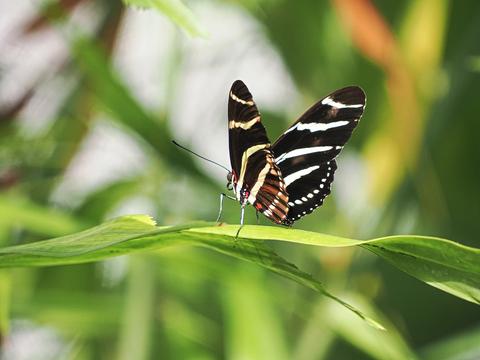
375 324
146 219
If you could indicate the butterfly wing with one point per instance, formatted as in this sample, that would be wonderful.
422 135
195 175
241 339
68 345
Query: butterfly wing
306 152
256 177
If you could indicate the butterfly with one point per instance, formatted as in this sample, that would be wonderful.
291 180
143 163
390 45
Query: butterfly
290 178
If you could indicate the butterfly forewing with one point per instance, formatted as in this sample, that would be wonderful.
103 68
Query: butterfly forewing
256 177
305 153
244 126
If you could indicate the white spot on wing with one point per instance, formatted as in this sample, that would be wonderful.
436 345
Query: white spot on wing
298 202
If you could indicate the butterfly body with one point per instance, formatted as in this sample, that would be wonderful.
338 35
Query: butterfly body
290 178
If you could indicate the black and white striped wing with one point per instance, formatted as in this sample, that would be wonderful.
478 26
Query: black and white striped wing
245 129
306 152
256 177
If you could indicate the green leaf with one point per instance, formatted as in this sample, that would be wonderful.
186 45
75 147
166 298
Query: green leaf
138 233
444 264
385 345
176 11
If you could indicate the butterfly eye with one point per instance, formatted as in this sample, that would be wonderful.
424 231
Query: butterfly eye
229 177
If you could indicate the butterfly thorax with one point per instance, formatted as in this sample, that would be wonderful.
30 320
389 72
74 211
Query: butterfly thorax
241 192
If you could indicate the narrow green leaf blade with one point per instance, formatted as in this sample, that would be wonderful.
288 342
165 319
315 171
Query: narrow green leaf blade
444 264
385 345
138 233
258 253
97 243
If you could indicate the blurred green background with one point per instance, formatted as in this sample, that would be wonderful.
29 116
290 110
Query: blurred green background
92 92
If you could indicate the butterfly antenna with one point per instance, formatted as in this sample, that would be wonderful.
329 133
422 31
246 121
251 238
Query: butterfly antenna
200 156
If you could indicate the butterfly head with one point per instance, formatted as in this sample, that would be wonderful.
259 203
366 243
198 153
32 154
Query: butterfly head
230 181
241 191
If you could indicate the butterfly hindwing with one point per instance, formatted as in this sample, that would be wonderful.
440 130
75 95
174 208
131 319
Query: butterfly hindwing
309 190
268 193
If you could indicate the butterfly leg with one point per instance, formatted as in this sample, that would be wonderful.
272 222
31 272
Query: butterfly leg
242 216
258 217
222 196
221 207
259 255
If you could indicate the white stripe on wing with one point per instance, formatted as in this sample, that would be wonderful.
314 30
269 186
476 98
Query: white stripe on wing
313 127
302 151
298 174
329 101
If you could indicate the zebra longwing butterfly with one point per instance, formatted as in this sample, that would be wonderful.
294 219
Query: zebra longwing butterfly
292 177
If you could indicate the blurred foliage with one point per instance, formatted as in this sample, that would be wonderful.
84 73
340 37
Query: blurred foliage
418 141
175 10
